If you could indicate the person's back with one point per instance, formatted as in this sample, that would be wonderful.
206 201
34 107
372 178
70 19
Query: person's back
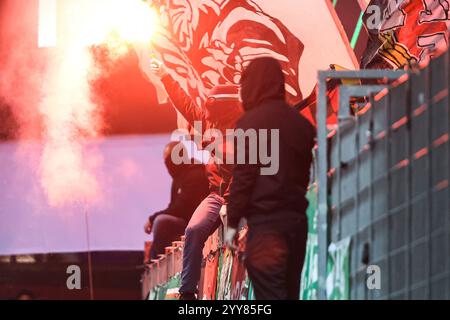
277 197
271 192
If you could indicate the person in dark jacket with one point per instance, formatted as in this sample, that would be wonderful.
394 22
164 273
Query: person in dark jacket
189 188
221 112
274 205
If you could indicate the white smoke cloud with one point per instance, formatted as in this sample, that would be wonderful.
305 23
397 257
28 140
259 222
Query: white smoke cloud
49 93
49 89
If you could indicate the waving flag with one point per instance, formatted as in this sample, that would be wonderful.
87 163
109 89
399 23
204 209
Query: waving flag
209 42
219 41
410 32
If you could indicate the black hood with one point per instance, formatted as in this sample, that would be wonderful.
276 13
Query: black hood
262 80
177 170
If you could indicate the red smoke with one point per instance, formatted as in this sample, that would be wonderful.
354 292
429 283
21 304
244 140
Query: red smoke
49 93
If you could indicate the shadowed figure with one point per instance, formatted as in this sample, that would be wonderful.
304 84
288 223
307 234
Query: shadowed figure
189 187
274 205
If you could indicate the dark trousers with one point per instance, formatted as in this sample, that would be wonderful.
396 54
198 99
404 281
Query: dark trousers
166 228
274 260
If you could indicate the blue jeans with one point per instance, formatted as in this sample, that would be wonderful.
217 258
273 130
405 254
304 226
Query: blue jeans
166 228
204 222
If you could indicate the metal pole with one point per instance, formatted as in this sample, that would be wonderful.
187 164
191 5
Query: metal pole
322 184
322 155
89 255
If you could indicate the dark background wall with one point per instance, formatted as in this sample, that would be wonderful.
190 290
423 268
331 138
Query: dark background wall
115 275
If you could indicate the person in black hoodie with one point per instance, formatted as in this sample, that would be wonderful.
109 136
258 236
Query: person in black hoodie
274 205
189 188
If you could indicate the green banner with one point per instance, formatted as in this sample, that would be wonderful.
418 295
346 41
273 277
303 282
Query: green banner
338 270
310 273
172 288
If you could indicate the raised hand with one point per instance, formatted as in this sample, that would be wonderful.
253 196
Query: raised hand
148 227
158 68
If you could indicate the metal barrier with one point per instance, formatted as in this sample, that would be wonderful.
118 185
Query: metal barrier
383 181
161 270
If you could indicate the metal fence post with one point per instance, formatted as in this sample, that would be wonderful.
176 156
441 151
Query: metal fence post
322 161
322 183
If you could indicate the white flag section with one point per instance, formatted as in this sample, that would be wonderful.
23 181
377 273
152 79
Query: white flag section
313 23
209 42
133 181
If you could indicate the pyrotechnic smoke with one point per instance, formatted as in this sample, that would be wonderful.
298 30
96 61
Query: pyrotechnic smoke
70 117
50 92
50 97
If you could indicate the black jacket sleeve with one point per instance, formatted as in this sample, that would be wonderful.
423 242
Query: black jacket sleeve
183 102
243 181
181 198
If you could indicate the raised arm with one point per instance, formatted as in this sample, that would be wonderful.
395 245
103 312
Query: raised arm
179 98
182 101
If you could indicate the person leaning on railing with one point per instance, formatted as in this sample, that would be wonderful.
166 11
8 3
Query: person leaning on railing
189 188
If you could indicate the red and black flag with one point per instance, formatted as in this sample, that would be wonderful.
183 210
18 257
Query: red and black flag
405 32
210 42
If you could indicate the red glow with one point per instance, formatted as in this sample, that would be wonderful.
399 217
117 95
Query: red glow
50 91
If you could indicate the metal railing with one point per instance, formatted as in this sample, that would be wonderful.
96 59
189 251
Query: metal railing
159 271
375 172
